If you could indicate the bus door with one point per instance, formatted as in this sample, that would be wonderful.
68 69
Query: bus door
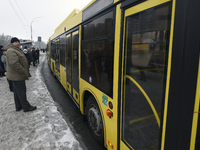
146 40
57 57
68 61
73 65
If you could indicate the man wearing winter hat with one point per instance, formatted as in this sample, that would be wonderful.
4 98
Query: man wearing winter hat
18 71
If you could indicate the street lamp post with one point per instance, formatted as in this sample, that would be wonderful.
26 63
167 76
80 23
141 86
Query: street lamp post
31 27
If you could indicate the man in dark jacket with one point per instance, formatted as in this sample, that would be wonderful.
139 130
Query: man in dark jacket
18 71
30 55
2 69
34 55
37 55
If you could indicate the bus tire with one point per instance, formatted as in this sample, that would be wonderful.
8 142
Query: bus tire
94 119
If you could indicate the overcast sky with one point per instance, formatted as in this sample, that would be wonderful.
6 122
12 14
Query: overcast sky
16 16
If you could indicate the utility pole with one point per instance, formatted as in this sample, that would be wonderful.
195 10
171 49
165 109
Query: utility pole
31 33
31 27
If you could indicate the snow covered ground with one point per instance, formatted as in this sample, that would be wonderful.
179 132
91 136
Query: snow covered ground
43 128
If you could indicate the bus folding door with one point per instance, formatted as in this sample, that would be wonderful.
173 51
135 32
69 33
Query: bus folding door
146 44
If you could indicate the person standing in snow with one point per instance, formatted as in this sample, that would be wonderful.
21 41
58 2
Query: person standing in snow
3 59
1 63
18 71
37 55
34 55
2 69
27 55
30 55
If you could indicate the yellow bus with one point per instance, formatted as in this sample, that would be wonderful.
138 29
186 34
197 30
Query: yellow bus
132 68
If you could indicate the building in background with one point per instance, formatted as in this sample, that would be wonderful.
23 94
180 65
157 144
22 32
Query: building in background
27 43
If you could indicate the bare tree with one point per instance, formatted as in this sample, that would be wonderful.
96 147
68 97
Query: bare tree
5 39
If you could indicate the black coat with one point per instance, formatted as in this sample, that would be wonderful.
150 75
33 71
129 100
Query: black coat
37 54
28 57
1 63
34 54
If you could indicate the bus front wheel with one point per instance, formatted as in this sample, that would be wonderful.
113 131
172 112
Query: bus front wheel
95 120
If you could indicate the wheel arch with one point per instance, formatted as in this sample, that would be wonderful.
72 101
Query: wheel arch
86 94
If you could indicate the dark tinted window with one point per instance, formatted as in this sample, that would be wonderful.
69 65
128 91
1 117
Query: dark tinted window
69 57
103 26
96 7
53 50
47 49
57 55
75 42
62 50
97 53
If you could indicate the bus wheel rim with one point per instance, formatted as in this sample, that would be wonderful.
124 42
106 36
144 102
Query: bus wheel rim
95 120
